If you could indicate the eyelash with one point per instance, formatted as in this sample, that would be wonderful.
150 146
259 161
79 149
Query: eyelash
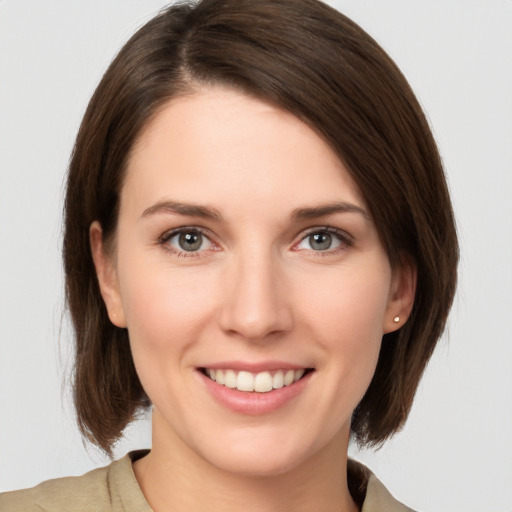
168 235
345 239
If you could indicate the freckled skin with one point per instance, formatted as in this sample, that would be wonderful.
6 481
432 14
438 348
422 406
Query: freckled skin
256 290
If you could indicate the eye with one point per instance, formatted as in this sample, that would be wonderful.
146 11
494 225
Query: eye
187 240
323 240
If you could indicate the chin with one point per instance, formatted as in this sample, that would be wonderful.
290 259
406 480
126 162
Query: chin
261 465
262 454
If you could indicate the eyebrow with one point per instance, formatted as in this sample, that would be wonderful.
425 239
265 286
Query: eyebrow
328 209
205 212
188 209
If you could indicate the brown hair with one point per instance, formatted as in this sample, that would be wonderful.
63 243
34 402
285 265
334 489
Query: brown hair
314 62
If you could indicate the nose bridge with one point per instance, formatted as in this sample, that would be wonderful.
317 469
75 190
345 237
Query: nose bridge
255 304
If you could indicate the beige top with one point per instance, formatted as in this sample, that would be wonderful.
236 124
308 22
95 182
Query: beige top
115 489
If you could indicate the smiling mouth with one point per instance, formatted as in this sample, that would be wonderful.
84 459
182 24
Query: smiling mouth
261 382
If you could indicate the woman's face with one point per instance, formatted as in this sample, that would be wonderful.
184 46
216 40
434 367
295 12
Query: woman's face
246 257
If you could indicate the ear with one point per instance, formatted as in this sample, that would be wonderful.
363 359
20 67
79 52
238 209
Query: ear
401 297
107 276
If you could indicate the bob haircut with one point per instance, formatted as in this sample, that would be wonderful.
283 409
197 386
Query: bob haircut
310 60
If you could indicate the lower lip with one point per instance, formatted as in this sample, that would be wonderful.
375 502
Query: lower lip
253 403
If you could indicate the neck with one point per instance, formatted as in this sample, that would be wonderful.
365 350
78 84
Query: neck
174 477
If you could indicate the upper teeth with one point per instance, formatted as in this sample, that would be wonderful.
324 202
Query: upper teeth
260 382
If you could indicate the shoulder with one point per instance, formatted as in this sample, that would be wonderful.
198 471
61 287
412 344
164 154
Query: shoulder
370 492
379 499
86 492
103 489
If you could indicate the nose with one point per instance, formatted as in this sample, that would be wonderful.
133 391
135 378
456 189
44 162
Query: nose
255 303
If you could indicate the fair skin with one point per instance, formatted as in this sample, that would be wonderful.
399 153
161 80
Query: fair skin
244 250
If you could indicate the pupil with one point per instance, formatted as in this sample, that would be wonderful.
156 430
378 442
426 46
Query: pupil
320 241
190 241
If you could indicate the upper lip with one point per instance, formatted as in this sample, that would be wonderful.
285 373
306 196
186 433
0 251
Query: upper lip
254 366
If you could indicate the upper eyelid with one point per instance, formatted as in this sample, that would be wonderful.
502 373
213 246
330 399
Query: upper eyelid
163 241
327 229
166 235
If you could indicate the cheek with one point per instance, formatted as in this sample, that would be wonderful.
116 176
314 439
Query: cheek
165 313
164 308
346 319
350 305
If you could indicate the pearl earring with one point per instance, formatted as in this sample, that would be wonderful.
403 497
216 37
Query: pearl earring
396 319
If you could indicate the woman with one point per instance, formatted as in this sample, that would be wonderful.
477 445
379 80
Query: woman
259 243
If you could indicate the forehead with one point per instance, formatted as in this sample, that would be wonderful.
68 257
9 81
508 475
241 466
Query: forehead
216 142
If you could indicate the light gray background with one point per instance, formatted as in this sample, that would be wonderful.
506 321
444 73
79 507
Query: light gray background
455 453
